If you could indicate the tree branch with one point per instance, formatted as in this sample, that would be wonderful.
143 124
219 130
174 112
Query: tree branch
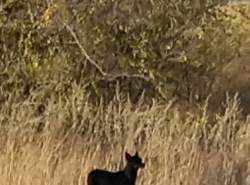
109 77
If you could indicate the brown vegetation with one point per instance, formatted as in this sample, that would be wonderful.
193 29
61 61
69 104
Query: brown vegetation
176 151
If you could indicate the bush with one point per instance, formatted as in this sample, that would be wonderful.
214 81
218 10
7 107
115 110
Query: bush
157 49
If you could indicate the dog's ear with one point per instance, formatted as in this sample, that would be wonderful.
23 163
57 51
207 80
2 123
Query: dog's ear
136 153
128 156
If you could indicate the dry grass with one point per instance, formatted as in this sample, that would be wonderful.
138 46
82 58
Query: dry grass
177 151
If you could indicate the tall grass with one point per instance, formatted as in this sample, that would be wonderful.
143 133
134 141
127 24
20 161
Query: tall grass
77 137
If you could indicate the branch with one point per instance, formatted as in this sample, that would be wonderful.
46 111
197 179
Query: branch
109 77
84 51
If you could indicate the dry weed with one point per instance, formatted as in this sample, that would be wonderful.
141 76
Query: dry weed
77 138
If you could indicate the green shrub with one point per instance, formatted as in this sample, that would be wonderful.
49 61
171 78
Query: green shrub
159 49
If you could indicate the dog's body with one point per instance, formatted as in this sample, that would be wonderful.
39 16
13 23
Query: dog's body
124 177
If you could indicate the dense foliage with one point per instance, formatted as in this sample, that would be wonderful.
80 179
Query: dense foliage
161 49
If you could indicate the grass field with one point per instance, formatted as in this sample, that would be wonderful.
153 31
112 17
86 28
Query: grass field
176 151
180 145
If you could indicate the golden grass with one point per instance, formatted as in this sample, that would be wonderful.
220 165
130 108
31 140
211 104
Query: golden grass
177 151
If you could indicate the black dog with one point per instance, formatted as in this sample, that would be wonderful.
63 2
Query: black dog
124 177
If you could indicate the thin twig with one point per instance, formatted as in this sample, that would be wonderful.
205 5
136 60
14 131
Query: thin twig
84 51
110 77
